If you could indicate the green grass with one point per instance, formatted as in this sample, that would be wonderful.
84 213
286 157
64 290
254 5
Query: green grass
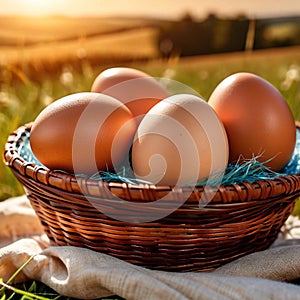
23 96
33 290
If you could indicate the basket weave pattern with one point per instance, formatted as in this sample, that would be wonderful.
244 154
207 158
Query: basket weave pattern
240 219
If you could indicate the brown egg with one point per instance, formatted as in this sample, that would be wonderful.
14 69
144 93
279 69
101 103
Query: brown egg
136 89
83 133
257 119
179 141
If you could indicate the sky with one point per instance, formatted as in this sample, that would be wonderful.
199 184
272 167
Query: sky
171 9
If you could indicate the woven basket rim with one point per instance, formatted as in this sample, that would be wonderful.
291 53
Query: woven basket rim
69 183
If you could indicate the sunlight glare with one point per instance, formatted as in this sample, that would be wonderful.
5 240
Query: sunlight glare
37 7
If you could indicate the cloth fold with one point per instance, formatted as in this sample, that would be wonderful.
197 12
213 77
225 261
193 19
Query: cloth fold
85 274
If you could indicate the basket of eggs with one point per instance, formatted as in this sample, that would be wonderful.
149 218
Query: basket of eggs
167 182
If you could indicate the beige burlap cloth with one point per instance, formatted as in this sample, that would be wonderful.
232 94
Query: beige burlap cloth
85 274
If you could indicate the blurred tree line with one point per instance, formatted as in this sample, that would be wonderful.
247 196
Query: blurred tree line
217 35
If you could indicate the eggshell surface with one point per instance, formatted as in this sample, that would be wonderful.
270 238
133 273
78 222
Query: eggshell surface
257 119
179 141
87 132
136 89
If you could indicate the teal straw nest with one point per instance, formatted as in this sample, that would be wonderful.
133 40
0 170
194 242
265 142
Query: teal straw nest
208 225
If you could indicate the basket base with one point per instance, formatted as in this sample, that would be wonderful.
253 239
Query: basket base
214 240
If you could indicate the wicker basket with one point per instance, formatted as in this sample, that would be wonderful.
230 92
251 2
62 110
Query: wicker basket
240 219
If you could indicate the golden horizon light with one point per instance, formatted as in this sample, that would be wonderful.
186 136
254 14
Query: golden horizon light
37 7
161 9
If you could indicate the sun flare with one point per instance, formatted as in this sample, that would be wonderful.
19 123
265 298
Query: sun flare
38 7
